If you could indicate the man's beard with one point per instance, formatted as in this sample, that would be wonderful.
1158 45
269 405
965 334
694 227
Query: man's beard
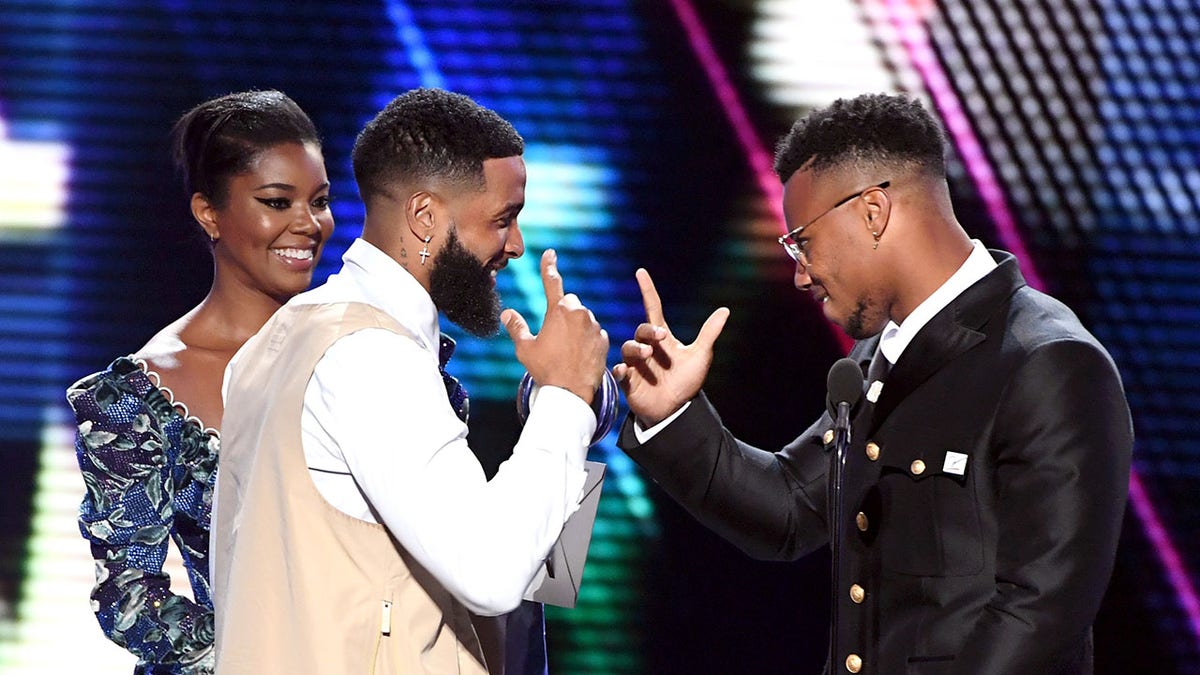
462 288
856 324
866 321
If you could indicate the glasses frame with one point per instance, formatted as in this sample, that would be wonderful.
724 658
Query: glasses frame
795 249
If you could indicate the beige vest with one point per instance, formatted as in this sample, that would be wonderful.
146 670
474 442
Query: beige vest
299 586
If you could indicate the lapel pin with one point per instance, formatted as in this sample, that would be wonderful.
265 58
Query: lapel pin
956 463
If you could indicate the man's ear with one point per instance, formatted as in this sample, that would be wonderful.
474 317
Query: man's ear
420 213
878 209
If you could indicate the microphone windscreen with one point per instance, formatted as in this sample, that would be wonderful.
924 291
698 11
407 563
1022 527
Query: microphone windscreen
845 382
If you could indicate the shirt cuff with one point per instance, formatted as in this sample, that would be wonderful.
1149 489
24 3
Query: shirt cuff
644 435
565 413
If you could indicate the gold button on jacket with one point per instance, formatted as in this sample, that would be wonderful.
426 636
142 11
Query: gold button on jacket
861 521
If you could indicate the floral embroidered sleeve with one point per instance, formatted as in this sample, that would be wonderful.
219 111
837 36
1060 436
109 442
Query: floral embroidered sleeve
132 472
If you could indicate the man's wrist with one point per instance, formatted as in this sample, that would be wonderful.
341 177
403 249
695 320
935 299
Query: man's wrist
644 433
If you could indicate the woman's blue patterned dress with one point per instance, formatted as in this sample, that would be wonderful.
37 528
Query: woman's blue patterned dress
149 471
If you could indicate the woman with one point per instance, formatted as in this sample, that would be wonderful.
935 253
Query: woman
147 442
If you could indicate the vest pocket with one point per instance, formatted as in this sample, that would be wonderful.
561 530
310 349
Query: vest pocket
381 658
928 511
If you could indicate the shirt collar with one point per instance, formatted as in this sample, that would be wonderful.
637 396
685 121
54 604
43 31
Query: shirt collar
384 284
895 338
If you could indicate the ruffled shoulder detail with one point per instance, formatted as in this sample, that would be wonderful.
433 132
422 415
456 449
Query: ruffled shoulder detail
130 375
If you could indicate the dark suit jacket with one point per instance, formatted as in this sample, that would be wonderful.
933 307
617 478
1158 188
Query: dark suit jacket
993 563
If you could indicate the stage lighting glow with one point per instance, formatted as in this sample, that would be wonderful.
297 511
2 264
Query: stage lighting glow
808 54
33 184
54 602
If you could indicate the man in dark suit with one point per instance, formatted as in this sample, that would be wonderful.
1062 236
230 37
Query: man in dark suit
986 478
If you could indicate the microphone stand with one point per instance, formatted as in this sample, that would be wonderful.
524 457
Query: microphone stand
841 444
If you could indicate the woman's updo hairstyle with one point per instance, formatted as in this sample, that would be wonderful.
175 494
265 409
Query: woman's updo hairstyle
221 137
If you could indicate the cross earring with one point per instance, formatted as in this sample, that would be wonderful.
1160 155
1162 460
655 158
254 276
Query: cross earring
424 252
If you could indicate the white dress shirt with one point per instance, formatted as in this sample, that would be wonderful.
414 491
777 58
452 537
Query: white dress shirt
894 338
383 444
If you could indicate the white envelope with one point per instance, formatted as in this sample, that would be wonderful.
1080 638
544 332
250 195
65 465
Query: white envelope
558 581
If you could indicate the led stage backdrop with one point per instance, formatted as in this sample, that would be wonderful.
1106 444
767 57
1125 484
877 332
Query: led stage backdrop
1075 132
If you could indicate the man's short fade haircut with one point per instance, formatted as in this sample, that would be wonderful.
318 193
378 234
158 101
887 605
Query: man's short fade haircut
430 134
866 129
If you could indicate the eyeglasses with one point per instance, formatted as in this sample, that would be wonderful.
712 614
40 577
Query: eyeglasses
795 247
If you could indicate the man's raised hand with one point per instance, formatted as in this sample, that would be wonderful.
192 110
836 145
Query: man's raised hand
570 350
658 373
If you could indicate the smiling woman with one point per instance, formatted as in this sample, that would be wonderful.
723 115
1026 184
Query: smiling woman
148 425
274 218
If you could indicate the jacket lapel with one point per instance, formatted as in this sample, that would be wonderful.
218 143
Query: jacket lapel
862 352
949 334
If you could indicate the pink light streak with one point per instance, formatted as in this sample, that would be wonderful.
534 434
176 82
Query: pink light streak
915 39
756 154
1156 532
760 160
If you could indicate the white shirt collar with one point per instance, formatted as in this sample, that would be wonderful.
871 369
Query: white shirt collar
895 338
369 275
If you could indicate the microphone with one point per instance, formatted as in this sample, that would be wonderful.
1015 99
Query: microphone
845 385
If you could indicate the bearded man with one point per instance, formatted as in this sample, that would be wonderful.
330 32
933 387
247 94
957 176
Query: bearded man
354 529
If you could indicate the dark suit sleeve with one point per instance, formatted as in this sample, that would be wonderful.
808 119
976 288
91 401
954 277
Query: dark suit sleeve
771 505
1065 444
